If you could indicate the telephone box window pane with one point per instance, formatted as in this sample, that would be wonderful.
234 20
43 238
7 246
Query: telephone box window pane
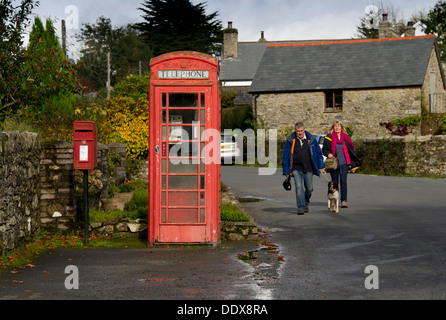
163 182
202 215
202 167
183 199
183 215
183 183
183 100
202 183
202 116
164 165
163 216
163 199
183 168
203 100
202 203
164 98
163 132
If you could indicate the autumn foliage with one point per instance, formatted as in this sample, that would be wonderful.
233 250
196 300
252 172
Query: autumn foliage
127 122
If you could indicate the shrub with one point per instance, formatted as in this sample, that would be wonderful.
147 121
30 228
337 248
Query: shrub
127 122
443 125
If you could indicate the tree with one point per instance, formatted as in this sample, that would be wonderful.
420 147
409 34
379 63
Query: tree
435 23
125 46
369 24
174 25
51 81
13 22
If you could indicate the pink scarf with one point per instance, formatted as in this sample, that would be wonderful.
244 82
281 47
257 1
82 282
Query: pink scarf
344 138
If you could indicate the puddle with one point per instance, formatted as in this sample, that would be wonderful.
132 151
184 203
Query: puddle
250 199
265 260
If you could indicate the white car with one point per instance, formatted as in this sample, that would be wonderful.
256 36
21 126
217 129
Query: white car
229 149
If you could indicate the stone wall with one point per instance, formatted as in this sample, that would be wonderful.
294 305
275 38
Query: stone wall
420 156
58 202
20 189
61 201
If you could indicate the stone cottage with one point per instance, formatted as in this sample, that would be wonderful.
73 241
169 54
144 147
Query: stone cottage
360 82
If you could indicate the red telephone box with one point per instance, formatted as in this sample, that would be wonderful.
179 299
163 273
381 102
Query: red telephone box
85 145
184 176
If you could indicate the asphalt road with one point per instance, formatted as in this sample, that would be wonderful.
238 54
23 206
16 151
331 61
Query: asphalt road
395 224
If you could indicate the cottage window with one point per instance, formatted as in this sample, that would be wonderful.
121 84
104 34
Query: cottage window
333 100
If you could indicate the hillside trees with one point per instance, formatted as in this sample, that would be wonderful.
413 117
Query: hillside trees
126 49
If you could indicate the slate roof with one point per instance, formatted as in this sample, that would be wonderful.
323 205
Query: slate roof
355 64
245 66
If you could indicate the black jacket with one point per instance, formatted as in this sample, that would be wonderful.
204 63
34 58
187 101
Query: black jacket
326 150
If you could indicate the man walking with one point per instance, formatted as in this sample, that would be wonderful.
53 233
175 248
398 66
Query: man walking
302 158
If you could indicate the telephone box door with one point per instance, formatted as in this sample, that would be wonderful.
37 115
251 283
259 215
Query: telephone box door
184 181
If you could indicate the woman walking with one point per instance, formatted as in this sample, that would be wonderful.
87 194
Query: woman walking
339 144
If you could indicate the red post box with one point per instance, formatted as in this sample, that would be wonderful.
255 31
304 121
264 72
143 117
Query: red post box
85 145
184 181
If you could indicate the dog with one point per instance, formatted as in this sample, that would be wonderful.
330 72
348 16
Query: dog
333 196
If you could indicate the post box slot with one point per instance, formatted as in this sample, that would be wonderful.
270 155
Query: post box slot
84 135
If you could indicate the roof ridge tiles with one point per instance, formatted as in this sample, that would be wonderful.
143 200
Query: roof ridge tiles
320 43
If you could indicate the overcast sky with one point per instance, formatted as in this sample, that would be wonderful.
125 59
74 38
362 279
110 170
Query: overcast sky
280 19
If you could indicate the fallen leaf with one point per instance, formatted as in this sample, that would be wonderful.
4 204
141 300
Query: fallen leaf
17 281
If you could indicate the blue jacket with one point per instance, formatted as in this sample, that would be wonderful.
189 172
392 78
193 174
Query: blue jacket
315 152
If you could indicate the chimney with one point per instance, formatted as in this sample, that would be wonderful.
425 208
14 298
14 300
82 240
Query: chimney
230 42
385 28
262 37
410 30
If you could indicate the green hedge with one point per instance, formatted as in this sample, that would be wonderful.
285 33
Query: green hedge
236 118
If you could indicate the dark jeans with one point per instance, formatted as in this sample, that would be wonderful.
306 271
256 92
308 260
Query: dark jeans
341 173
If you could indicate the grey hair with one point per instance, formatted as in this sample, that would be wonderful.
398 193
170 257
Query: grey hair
299 125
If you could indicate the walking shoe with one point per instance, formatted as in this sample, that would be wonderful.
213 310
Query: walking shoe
344 204
300 212
307 209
